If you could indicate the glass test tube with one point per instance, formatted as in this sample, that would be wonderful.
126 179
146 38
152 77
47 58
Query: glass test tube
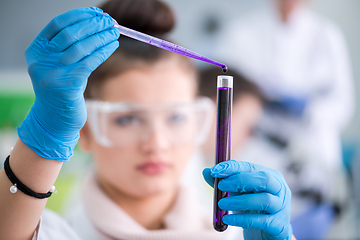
223 141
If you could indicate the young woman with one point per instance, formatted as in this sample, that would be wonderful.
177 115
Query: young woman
143 123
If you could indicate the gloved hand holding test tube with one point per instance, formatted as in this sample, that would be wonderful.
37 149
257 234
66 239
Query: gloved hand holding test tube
223 141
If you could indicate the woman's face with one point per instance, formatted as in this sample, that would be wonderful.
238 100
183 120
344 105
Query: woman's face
145 167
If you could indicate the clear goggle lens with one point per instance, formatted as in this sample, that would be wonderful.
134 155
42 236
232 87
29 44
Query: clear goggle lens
124 124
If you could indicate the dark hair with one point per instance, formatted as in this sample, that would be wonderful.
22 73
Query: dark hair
242 86
152 17
148 16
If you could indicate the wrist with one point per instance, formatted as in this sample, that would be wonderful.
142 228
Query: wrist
60 118
33 135
35 172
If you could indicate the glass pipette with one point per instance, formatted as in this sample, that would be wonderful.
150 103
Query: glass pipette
164 44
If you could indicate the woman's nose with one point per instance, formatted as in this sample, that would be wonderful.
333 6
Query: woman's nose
155 139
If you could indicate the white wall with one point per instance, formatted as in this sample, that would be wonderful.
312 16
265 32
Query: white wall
22 20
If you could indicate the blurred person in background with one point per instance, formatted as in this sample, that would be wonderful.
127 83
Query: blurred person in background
300 62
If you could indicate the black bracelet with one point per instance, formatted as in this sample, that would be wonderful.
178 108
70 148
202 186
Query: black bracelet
19 185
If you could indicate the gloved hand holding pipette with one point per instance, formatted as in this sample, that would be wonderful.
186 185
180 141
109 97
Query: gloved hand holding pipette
259 198
59 61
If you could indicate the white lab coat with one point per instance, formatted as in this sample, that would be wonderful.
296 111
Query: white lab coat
304 58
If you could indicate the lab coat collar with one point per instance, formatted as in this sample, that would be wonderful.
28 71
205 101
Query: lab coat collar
186 220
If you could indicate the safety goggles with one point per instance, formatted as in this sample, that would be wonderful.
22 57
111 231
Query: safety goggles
124 124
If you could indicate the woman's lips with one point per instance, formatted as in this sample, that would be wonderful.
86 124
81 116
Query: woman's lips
153 167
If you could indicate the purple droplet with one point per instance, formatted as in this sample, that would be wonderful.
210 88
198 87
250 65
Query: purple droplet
225 69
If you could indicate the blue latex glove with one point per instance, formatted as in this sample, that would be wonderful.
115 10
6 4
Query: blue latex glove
259 198
59 61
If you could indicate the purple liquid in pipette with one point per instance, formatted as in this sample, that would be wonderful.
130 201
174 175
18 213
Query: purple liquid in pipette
223 149
165 45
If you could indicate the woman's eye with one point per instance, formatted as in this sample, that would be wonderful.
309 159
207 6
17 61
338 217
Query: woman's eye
128 120
177 118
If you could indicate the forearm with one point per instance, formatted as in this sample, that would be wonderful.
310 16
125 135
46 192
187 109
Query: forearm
21 213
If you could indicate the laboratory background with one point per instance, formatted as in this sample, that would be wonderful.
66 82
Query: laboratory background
308 72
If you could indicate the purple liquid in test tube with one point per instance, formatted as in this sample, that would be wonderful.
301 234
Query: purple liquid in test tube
164 45
223 141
